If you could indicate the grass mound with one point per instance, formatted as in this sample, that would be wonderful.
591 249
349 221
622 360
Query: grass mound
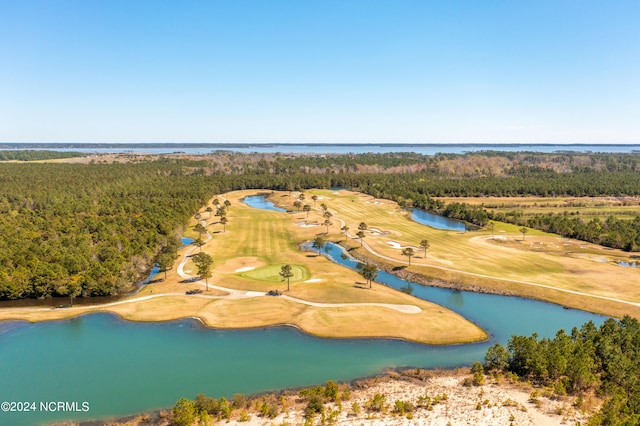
271 273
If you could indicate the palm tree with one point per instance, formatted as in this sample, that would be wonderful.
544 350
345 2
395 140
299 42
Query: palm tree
286 273
297 204
209 210
369 273
318 244
227 203
523 231
314 198
425 245
408 251
203 262
492 227
306 208
360 235
223 222
362 226
216 202
301 197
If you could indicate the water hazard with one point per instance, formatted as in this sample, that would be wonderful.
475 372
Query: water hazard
436 221
260 202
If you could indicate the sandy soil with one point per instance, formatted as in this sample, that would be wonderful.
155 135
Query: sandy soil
494 403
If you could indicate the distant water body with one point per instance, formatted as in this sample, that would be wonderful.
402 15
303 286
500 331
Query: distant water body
319 148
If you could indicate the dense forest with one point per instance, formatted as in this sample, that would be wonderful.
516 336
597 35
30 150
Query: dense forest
94 229
33 155
603 360
89 229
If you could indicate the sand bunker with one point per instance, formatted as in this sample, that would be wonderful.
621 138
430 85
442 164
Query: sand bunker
394 244
245 269
313 280
306 225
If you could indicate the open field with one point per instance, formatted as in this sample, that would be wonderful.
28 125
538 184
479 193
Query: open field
601 207
538 266
325 299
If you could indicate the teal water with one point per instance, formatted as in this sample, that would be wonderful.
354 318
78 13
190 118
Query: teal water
436 221
120 367
186 241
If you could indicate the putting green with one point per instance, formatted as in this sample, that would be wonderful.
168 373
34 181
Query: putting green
272 273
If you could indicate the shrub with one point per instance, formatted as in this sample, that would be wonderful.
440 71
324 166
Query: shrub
184 413
378 402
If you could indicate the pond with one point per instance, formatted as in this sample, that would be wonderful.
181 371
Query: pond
260 202
436 221
120 367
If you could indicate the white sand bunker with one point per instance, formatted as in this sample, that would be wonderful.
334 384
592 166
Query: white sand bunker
306 225
394 244
245 269
377 232
313 280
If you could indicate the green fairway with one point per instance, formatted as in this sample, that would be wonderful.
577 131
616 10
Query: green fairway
271 273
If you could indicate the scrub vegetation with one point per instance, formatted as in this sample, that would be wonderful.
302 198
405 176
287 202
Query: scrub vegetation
604 361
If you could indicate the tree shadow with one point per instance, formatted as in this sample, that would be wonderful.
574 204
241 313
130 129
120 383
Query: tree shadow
399 268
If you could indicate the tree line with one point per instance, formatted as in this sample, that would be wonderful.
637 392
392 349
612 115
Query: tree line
34 155
605 360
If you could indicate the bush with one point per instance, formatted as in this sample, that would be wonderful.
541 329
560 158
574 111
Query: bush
184 413
331 390
239 401
315 405
378 402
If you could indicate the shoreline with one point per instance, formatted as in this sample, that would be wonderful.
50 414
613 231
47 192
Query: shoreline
437 397
604 307
203 324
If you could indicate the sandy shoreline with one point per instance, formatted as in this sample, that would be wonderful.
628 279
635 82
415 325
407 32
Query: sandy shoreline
440 397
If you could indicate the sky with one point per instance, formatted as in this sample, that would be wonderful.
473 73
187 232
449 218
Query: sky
347 71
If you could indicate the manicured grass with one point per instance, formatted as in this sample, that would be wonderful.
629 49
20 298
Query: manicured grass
541 258
271 273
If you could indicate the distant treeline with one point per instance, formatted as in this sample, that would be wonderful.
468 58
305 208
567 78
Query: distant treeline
605 360
31 155
94 229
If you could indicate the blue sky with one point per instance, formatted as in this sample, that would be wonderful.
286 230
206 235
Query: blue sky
557 71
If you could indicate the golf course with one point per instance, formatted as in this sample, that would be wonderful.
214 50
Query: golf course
325 299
